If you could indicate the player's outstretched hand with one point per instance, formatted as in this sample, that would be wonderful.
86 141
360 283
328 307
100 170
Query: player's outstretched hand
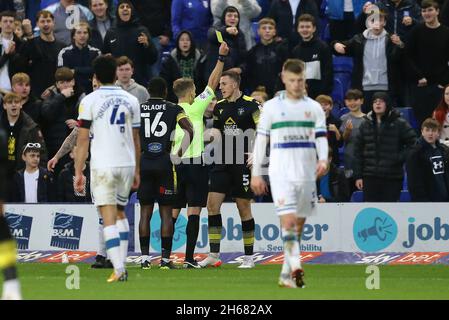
259 186
321 168
51 164
79 183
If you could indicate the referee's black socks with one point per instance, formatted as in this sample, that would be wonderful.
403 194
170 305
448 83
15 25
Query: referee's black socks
193 227
248 236
214 229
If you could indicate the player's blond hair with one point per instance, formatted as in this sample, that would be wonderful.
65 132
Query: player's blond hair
295 66
182 86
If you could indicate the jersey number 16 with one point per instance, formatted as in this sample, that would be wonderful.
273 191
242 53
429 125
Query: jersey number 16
150 128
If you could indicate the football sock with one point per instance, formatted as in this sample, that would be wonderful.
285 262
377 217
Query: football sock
291 248
214 229
123 229
145 245
166 247
101 245
112 239
248 236
192 229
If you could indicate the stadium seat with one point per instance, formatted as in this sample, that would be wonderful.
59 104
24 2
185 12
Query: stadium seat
338 95
405 196
407 114
254 27
343 110
342 64
357 196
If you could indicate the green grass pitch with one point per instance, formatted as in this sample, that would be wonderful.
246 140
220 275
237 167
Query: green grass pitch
48 281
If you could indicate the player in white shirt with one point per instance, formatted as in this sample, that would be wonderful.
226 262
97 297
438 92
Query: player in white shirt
113 117
295 127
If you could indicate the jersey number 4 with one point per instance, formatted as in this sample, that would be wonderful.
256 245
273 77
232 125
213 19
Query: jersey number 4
118 119
150 128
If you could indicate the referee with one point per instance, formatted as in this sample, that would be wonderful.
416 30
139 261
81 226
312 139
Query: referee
11 286
192 173
236 117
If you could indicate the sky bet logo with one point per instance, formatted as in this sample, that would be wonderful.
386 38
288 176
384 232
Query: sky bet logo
66 231
374 230
20 227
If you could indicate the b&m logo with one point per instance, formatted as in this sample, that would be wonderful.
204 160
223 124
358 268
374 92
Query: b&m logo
20 227
374 230
66 231
426 232
179 236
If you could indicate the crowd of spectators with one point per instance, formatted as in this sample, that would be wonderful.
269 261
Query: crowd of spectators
399 50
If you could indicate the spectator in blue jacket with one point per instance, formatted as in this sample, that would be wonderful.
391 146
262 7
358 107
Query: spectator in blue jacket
79 56
192 15
342 15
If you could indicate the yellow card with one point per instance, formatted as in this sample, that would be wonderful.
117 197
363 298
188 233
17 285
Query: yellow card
219 36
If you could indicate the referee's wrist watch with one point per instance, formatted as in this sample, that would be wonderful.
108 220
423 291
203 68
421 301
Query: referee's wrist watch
221 58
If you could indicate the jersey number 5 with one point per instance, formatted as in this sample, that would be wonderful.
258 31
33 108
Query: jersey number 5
150 128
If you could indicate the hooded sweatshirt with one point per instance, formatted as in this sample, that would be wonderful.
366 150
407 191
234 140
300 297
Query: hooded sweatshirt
136 90
375 76
122 41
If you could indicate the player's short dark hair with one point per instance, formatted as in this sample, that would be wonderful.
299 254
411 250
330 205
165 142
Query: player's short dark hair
157 88
353 94
233 75
64 74
105 68
431 124
182 85
430 3
78 25
307 18
121 61
7 13
44 14
294 65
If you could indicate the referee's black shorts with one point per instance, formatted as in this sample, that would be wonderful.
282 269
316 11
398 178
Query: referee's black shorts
158 185
232 180
193 179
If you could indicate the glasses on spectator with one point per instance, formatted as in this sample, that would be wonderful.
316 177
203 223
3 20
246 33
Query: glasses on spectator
31 145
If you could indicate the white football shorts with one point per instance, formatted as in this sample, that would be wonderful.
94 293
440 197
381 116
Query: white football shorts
111 186
294 197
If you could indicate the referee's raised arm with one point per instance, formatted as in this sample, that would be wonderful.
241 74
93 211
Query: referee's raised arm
214 77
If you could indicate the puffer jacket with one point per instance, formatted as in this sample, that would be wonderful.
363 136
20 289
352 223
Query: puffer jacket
380 151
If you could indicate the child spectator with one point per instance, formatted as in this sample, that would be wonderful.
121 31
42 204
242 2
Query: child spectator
33 184
332 123
380 151
260 94
428 166
349 129
441 114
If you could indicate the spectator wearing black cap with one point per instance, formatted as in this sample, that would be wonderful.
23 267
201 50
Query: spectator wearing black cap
380 151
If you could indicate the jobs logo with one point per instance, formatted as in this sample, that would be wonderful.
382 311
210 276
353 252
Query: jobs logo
66 231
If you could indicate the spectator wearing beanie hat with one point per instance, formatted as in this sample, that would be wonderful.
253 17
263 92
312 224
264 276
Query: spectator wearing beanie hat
380 151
